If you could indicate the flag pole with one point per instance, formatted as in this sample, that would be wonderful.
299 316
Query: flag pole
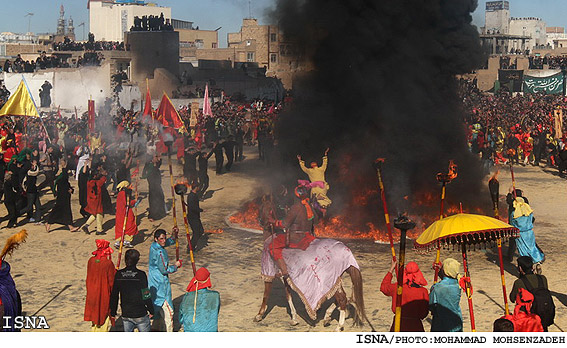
35 106
378 167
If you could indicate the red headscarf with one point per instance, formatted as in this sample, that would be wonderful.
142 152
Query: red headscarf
525 300
201 280
412 274
103 249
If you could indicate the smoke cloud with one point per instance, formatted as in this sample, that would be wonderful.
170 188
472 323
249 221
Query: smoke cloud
383 85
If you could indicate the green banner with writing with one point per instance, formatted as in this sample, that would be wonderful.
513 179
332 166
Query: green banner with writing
548 85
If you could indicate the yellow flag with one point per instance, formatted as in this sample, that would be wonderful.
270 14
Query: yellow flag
20 103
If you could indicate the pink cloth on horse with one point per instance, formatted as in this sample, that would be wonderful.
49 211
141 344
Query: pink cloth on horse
311 185
314 273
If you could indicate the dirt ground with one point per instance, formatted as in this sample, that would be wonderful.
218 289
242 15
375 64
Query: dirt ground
50 268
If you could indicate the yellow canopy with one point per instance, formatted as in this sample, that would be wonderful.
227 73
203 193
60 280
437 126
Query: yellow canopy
464 228
20 103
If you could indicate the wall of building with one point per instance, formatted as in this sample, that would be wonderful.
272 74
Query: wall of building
533 27
207 38
109 22
497 17
151 50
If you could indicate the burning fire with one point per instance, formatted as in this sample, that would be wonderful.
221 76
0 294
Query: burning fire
344 226
217 231
248 217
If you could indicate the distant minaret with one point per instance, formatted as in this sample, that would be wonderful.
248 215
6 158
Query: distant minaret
61 22
70 29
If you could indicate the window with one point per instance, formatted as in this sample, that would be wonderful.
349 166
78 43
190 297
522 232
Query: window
215 45
273 37
250 56
199 43
273 58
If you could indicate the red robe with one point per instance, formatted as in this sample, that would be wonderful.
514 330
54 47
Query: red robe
100 277
180 145
94 196
131 228
415 304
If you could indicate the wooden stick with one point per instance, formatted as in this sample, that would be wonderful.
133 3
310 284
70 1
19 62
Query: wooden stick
183 206
385 206
173 204
123 230
468 286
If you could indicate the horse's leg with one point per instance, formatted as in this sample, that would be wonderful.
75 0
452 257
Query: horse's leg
341 298
263 307
328 312
291 306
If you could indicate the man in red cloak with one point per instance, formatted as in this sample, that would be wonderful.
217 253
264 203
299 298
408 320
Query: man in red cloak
415 298
523 318
100 277
123 198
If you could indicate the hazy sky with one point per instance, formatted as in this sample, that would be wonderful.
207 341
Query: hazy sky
228 14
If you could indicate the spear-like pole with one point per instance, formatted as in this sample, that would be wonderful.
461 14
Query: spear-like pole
181 189
444 179
403 224
123 229
494 188
378 167
168 144
468 287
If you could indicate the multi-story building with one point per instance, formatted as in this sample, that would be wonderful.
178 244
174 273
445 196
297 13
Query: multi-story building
532 27
263 46
497 17
110 19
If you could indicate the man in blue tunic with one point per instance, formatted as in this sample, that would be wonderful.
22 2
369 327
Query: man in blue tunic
158 281
200 307
522 217
444 299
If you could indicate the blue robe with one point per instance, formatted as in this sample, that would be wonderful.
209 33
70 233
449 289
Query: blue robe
526 242
444 299
10 298
208 306
158 274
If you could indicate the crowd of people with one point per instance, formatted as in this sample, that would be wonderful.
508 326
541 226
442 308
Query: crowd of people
521 129
126 146
62 158
90 45
151 23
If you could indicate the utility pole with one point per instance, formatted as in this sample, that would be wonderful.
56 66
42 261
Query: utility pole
82 25
29 20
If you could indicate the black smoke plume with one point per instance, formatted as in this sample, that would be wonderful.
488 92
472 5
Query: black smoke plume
383 84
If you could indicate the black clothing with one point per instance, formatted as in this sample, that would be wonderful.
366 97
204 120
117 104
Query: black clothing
61 212
156 197
83 179
194 217
229 151
203 161
219 158
11 191
239 144
130 284
190 166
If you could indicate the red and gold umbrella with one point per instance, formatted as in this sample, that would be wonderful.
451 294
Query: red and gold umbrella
466 230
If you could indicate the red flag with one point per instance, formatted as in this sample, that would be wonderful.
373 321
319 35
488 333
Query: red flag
91 116
59 111
206 104
148 105
167 115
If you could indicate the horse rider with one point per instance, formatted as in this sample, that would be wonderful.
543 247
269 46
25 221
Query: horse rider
298 226
317 177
